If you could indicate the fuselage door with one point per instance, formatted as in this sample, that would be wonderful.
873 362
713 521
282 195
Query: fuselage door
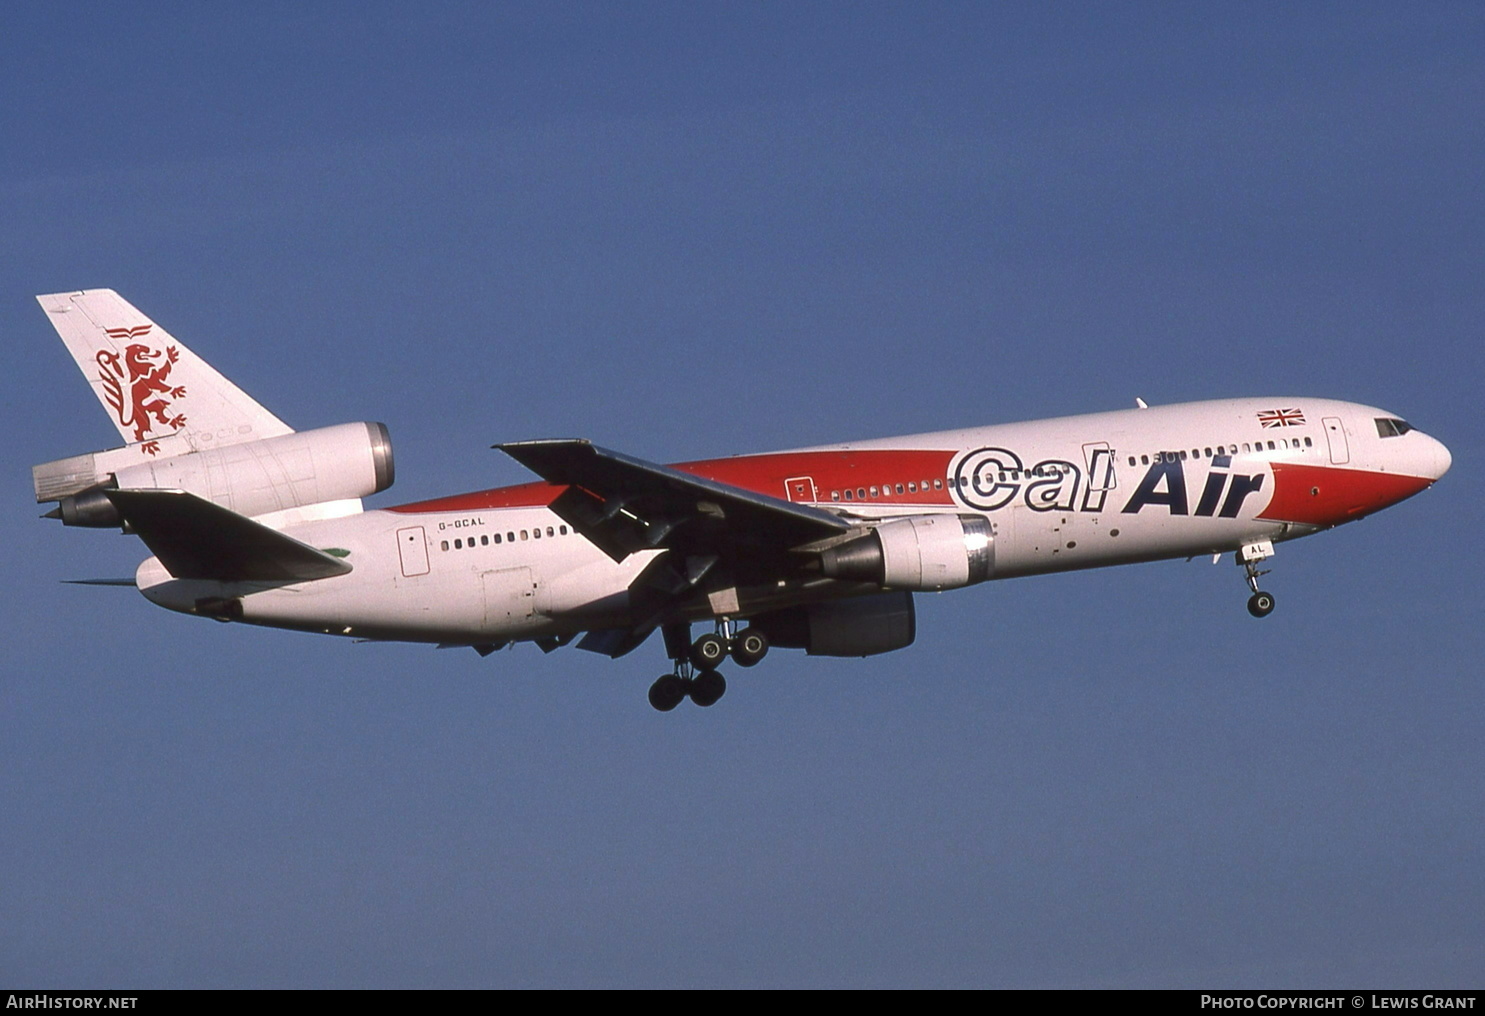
800 488
1335 436
1100 461
412 547
510 596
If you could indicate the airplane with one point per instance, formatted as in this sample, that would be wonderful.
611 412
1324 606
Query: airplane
819 549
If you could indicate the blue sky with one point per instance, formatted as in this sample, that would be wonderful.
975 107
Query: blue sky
687 230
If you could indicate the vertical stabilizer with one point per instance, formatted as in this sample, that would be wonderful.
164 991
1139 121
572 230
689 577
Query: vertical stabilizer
164 399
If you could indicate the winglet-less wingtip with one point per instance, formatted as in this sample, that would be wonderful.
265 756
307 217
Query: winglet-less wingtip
506 446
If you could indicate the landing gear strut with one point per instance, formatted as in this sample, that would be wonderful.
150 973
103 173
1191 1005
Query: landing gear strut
695 663
1260 604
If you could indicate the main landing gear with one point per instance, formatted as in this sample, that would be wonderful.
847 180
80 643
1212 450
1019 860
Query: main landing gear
1260 604
696 663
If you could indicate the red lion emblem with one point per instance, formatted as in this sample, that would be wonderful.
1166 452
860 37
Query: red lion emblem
136 385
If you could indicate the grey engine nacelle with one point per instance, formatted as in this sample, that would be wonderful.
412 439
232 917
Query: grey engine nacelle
350 460
929 552
864 626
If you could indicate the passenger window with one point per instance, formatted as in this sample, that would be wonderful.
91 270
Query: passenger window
510 537
444 545
938 484
551 531
835 495
860 493
562 530
458 544
497 537
909 487
1308 442
484 541
1144 460
523 534
536 533
1270 446
848 495
1208 452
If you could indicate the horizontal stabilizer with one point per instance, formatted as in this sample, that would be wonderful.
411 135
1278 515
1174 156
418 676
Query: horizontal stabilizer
196 539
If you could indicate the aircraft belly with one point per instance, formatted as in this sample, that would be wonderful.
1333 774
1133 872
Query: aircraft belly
472 606
1032 543
461 602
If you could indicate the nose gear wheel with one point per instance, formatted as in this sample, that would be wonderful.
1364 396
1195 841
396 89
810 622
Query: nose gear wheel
1260 604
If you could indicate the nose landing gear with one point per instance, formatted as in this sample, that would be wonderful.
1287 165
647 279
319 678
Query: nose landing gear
1260 604
695 663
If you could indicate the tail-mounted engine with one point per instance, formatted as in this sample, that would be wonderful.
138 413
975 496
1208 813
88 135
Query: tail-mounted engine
351 460
927 552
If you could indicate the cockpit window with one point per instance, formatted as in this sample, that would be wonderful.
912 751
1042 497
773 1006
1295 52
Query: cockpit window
1387 427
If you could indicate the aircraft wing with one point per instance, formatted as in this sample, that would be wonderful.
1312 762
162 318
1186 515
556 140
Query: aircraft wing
196 539
623 504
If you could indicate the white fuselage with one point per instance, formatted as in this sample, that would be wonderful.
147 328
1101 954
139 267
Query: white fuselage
1060 494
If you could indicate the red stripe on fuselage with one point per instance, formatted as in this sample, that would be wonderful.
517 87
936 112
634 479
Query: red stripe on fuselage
1328 496
527 495
762 474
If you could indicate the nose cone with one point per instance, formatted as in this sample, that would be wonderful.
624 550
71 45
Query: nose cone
1435 458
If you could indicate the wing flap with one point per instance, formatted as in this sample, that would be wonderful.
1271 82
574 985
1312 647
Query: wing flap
196 539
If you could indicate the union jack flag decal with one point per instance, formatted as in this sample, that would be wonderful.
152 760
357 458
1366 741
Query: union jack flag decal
1282 417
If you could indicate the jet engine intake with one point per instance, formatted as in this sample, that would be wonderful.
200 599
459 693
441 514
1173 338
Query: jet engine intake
925 552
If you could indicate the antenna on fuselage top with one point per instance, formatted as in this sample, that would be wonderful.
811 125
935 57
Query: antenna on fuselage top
1140 403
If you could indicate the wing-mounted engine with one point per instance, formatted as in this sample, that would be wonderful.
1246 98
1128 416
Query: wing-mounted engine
926 552
254 478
